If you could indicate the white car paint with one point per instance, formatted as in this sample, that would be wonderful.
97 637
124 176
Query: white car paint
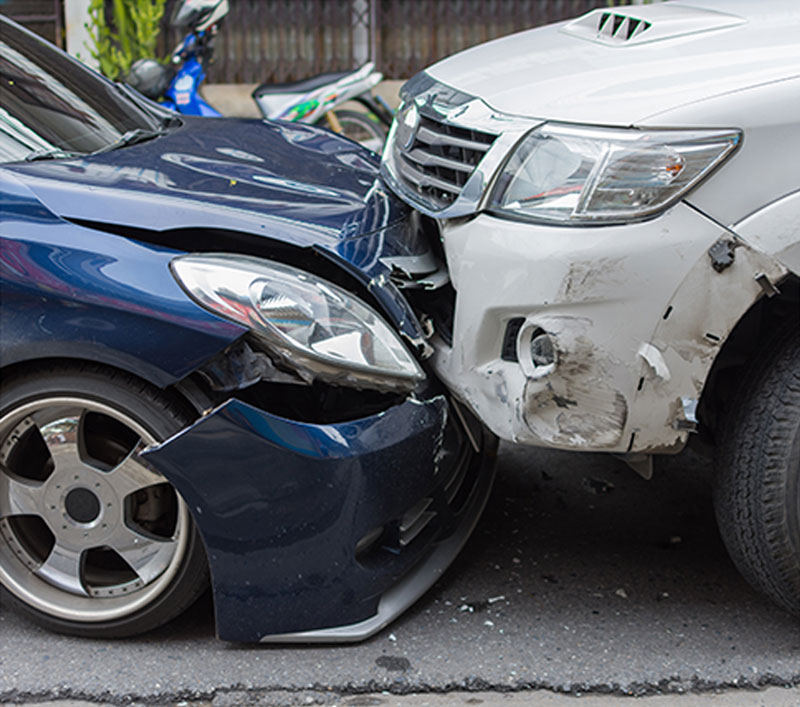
638 311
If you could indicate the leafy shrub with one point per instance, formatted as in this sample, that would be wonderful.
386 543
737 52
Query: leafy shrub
130 34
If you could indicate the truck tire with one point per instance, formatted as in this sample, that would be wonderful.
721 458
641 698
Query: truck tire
757 490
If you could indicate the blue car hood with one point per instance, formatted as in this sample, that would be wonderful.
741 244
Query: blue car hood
286 181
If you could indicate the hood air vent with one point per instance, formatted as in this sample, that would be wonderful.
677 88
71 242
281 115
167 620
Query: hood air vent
649 24
620 28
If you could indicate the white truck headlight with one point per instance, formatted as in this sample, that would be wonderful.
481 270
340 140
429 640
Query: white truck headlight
577 174
310 323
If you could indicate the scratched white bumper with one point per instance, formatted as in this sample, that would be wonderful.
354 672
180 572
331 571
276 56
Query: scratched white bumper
636 313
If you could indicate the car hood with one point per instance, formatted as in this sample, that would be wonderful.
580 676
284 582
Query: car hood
640 61
286 181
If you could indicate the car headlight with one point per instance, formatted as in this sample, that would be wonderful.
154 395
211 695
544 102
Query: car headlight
580 174
311 324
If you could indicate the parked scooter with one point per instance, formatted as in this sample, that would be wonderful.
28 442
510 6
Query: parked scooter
315 100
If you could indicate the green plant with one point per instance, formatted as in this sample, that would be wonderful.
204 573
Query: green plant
130 35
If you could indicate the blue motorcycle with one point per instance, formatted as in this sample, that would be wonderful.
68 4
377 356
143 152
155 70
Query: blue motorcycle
316 100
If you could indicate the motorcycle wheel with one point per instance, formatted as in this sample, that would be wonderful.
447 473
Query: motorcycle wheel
361 128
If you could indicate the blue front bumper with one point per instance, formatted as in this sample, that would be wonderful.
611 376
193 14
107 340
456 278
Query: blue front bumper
327 532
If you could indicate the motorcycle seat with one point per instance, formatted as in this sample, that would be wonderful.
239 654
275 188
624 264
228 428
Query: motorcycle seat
299 86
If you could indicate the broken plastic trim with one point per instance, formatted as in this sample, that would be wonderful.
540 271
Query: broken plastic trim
240 367
400 597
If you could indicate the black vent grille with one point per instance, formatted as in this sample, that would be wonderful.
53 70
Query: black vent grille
620 27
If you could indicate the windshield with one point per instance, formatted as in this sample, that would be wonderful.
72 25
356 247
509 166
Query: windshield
50 104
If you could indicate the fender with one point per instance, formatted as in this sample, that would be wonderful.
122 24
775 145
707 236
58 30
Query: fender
94 308
714 295
775 230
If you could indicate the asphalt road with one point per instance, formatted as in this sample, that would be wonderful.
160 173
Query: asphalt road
581 578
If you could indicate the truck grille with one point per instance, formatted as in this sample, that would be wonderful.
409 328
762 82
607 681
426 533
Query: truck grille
440 160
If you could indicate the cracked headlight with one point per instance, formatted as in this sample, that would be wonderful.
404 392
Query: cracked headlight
579 174
316 327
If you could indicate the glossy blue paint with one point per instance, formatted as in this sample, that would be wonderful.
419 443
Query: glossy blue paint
282 515
71 292
305 186
281 504
291 182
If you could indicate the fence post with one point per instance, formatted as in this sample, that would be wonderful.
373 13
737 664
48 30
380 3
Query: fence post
373 32
361 32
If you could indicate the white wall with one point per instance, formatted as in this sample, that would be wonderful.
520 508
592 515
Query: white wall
76 15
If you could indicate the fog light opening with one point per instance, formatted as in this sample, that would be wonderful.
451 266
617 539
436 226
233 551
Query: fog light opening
536 351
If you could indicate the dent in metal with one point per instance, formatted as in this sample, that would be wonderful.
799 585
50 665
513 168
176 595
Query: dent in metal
282 520
577 404
704 310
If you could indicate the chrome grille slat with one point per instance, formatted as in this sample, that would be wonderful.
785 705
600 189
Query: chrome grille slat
440 159
428 136
422 179
428 159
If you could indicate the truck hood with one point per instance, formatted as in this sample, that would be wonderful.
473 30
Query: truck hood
286 181
624 65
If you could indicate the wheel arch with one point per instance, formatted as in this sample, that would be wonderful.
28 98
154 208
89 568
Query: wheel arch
749 339
180 394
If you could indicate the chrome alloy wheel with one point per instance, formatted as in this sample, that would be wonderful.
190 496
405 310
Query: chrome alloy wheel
88 531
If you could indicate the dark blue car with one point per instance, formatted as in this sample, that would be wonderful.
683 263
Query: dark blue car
214 336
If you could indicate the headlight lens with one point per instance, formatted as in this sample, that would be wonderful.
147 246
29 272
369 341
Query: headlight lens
567 173
311 323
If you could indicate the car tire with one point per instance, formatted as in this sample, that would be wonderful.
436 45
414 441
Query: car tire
93 542
757 490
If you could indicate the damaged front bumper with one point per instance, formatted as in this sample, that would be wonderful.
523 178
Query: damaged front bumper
327 532
592 338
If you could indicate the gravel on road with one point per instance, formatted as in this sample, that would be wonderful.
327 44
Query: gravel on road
582 578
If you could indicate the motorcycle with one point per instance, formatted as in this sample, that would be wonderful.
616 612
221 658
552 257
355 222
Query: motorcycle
315 100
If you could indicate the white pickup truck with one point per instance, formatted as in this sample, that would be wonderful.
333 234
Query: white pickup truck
619 202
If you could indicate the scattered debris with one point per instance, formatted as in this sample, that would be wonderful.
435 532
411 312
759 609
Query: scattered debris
488 623
492 600
662 595
392 638
621 593
597 486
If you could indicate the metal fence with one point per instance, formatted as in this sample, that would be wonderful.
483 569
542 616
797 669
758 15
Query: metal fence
416 33
286 40
45 17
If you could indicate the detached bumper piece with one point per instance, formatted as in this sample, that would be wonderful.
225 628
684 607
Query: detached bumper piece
328 532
